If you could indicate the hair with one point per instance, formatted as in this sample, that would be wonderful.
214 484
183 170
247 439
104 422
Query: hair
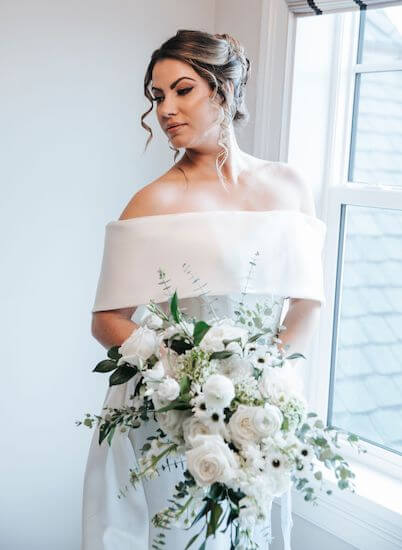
219 59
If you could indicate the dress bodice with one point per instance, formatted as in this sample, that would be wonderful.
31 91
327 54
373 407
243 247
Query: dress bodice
217 253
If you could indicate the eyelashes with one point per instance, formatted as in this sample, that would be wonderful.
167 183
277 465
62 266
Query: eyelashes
184 91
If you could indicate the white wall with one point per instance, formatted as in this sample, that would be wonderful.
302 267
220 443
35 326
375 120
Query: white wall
71 155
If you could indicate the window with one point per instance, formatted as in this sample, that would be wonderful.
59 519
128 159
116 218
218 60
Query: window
350 91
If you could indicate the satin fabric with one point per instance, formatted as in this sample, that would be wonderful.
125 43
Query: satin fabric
211 251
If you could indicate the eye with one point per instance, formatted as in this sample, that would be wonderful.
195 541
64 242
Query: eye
183 91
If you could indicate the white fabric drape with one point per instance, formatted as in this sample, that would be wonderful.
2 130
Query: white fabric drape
319 7
216 247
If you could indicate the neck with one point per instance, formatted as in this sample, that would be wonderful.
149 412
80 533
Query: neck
204 159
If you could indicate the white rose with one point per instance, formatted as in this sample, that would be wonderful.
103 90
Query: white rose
218 391
192 427
222 330
241 426
251 424
267 420
169 389
285 380
211 460
138 347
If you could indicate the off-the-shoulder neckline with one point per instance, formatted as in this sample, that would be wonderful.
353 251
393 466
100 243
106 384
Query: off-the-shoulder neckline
210 212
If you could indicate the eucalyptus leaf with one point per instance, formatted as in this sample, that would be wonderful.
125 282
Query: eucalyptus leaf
295 356
258 335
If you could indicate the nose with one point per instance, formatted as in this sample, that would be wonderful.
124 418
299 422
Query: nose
168 107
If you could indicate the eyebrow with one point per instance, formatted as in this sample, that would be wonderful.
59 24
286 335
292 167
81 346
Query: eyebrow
173 84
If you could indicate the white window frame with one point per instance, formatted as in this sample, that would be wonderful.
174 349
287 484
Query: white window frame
370 516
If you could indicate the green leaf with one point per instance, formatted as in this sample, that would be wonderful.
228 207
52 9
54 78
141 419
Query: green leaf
295 356
214 518
177 405
113 353
105 366
204 510
258 335
180 346
320 441
103 432
200 330
221 354
184 384
193 539
305 428
343 484
110 436
174 310
122 374
216 491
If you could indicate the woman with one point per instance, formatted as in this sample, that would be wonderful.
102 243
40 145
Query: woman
212 208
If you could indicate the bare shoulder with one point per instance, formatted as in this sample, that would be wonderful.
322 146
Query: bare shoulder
157 197
297 183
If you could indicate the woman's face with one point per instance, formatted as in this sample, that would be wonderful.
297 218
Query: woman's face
182 97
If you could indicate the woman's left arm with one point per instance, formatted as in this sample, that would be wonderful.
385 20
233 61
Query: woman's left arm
302 317
301 322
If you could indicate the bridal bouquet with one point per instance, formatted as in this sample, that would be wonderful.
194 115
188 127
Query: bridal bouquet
224 396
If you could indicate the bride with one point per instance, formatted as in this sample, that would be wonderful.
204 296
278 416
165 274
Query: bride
213 207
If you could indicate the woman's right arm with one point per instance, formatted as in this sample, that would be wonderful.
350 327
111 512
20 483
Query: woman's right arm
112 328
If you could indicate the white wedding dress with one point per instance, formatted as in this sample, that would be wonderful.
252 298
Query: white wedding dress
213 259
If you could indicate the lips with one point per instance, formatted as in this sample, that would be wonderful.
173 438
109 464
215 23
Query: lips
175 126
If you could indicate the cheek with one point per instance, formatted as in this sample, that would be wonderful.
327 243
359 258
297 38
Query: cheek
204 113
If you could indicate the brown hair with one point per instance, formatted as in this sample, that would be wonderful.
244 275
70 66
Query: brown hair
219 59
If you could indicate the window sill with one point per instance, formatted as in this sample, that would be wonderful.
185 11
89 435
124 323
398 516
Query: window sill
369 519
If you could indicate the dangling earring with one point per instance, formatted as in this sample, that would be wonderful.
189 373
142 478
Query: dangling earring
177 151
223 141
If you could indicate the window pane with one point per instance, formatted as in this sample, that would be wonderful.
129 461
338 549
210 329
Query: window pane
382 35
367 383
376 155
